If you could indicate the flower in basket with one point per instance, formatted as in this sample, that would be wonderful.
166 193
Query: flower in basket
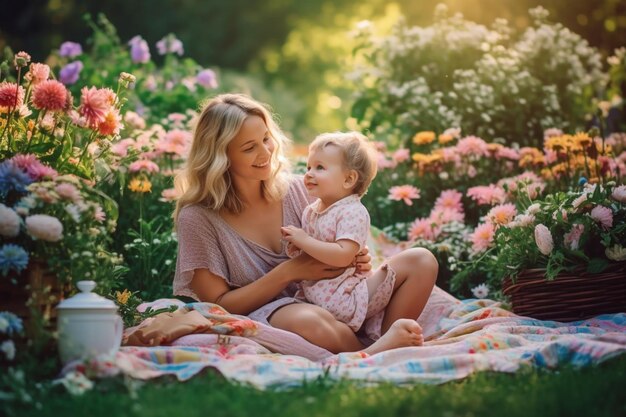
565 230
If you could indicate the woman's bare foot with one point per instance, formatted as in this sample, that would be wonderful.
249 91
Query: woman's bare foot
402 333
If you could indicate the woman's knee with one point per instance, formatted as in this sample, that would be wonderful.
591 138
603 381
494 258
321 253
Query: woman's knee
310 322
418 262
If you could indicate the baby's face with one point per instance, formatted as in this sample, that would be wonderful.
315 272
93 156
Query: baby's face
326 175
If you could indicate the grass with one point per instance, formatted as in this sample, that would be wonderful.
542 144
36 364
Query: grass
591 391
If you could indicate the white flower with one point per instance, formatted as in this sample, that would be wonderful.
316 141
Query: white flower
616 253
8 347
579 200
75 382
44 227
480 291
543 239
533 209
74 212
9 222
4 325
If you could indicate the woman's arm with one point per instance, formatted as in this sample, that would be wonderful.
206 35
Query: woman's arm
212 288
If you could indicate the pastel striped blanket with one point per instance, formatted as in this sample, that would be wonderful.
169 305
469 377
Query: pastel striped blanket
462 337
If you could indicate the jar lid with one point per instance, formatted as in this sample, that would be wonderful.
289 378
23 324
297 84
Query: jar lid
87 299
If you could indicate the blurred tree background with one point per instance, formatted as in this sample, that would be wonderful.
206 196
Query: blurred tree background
298 46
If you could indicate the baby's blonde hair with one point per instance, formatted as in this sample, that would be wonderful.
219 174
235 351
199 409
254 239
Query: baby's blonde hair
358 155
205 177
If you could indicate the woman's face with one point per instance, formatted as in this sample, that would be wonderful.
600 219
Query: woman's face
250 151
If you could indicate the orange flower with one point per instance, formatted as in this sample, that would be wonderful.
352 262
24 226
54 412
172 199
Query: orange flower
140 185
424 138
445 138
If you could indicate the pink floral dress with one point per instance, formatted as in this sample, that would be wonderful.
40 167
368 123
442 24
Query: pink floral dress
346 296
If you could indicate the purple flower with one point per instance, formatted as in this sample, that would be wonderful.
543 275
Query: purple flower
69 74
139 50
206 78
70 49
170 44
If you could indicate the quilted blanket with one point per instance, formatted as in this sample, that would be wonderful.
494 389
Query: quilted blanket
462 337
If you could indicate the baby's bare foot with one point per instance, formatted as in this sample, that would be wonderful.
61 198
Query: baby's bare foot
402 333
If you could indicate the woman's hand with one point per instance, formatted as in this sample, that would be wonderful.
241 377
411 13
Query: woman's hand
305 267
363 260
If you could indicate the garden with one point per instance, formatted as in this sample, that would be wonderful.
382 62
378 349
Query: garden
501 150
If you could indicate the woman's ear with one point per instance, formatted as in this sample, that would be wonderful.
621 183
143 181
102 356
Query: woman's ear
351 178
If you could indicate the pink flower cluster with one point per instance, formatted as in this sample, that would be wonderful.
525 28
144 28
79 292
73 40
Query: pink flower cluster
448 208
33 167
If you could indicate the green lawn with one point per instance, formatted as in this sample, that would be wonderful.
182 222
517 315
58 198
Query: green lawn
597 391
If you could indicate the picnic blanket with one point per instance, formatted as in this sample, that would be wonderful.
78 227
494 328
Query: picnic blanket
462 337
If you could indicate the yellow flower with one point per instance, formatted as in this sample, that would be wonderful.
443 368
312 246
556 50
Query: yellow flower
494 147
424 138
419 157
556 143
444 138
582 139
122 297
140 185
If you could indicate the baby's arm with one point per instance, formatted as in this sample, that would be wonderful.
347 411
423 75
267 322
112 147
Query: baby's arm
340 253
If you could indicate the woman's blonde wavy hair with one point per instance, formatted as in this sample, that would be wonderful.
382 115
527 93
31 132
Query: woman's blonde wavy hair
205 177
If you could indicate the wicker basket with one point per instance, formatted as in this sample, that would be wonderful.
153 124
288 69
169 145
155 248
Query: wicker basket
571 296
33 297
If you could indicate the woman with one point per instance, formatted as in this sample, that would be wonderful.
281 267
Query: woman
236 193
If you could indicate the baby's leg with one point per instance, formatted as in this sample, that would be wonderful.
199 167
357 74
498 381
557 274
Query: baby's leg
374 281
416 272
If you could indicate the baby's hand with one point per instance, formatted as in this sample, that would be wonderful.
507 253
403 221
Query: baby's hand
293 234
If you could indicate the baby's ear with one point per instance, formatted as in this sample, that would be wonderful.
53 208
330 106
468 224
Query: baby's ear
351 178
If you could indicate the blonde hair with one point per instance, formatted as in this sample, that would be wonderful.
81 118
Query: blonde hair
358 155
205 177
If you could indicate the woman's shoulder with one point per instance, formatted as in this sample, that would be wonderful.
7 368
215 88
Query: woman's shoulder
196 215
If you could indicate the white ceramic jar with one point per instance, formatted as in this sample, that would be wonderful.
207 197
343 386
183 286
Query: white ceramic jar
88 325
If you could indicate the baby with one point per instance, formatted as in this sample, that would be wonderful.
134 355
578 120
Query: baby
335 227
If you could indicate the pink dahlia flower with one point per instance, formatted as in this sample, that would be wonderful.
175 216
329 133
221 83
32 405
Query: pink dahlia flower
68 191
143 165
619 194
487 194
49 95
111 124
442 216
450 199
401 155
502 214
472 145
35 169
404 193
423 229
603 215
482 237
38 73
11 96
94 105
572 238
